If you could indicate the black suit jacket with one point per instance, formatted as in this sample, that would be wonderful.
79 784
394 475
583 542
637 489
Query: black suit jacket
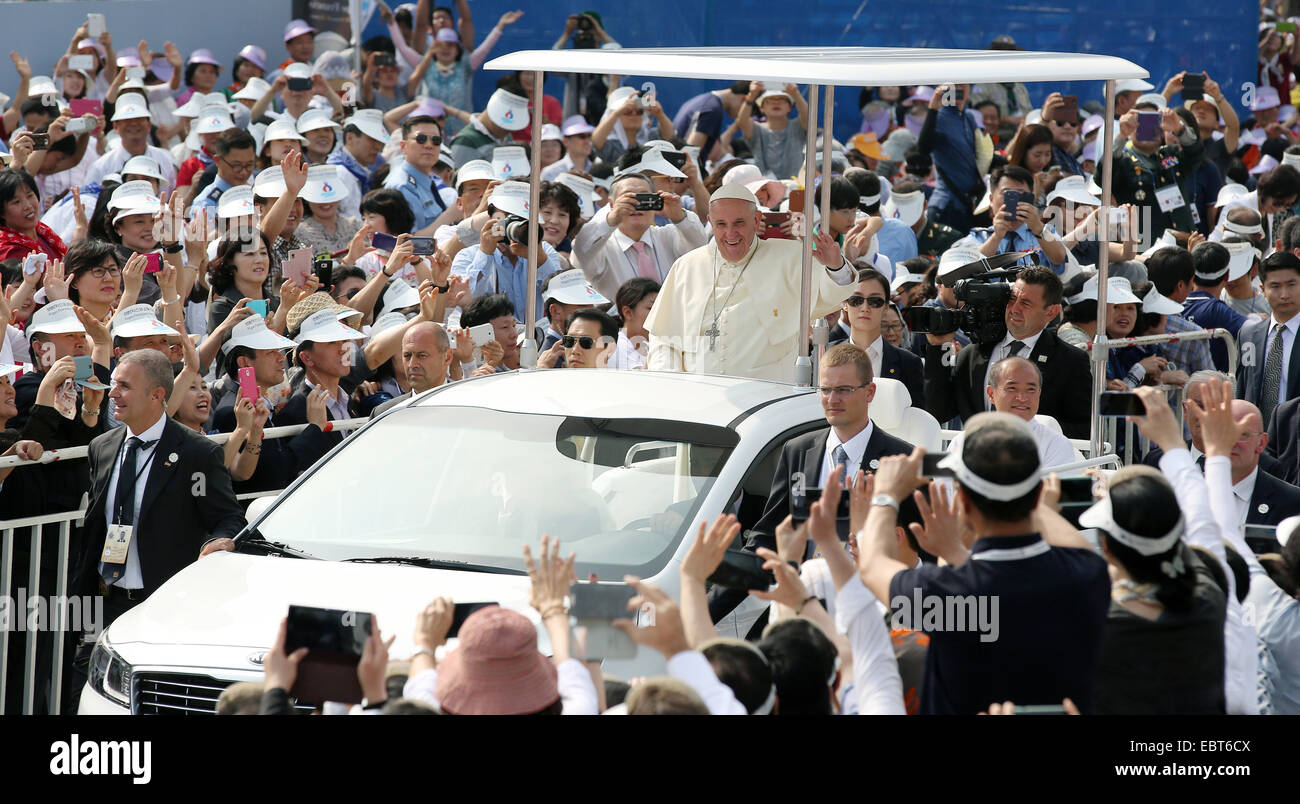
177 515
1250 373
294 411
958 390
1284 441
281 459
1278 499
805 454
1267 462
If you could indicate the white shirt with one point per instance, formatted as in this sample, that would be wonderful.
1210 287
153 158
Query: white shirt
113 161
1242 492
626 355
607 256
1288 334
855 447
337 405
1054 449
876 351
131 577
1003 350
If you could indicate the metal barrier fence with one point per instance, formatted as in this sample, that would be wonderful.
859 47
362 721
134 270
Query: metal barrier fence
63 523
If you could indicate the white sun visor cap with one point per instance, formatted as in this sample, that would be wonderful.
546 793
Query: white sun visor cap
904 278
1265 164
509 162
1232 193
956 257
323 326
1133 85
213 120
969 479
270 183
130 194
253 333
1167 240
585 189
282 130
323 185
198 101
399 295
313 119
55 318
1102 516
42 85
253 90
652 160
906 207
130 107
139 321
371 123
9 369
550 131
236 202
1075 190
386 322
1118 291
474 170
507 110
1158 304
297 70
1241 257
511 197
1152 98
572 287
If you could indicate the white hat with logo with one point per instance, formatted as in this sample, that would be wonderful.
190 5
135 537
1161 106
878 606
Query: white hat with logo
507 110
323 185
572 287
236 202
323 326
56 318
510 162
585 189
511 197
139 321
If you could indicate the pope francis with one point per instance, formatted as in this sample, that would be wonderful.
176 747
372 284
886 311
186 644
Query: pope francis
732 306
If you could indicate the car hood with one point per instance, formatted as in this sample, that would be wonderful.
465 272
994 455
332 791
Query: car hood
233 600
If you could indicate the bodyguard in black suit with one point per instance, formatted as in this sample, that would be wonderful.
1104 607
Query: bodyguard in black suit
854 443
860 318
956 388
1270 346
1284 441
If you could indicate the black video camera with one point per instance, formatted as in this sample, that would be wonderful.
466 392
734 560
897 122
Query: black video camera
984 294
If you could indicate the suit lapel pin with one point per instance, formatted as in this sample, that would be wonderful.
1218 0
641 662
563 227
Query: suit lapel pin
1263 508
875 463
171 459
1042 358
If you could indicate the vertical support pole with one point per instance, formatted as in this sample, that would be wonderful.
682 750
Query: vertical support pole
803 369
1100 351
528 352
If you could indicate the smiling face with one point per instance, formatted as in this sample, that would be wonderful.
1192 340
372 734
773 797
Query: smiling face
196 404
268 366
1017 391
1245 453
320 140
103 289
555 223
23 211
8 409
776 106
252 265
136 232
277 150
735 225
134 400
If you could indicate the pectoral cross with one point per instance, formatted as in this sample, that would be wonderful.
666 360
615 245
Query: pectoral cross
713 332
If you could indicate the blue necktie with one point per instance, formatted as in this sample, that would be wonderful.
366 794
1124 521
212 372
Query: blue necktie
841 459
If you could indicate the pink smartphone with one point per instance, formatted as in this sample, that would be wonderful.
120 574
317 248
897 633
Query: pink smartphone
80 106
248 384
153 263
298 266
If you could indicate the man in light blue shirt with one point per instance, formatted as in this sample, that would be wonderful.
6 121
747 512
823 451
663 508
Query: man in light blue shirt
1026 231
500 263
414 178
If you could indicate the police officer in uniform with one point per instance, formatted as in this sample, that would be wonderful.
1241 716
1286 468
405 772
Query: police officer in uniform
414 178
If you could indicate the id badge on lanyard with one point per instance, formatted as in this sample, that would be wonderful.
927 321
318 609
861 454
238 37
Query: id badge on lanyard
1170 198
117 543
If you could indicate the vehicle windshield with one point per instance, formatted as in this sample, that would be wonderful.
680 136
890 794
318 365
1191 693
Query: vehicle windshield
476 485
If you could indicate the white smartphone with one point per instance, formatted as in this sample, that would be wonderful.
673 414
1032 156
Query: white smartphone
80 62
135 73
80 125
481 334
95 26
34 263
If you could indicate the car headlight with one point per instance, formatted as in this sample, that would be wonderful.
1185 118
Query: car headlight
110 675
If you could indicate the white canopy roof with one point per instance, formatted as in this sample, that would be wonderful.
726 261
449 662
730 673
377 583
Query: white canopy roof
840 66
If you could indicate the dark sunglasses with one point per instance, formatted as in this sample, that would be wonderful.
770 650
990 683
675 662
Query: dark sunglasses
874 302
633 112
423 138
586 342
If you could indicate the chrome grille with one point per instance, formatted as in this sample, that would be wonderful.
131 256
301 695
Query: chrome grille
180 694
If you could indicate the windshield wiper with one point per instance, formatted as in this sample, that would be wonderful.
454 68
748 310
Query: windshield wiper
276 548
437 563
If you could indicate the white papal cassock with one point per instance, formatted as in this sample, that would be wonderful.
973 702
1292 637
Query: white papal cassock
739 318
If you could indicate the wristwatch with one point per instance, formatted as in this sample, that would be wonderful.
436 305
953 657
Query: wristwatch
174 248
885 499
443 288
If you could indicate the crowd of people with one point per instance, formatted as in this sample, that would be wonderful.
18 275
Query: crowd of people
187 252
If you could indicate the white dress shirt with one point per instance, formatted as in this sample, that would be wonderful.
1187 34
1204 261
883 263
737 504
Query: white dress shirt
131 577
1054 449
855 447
1002 351
1242 492
876 351
1288 334
606 255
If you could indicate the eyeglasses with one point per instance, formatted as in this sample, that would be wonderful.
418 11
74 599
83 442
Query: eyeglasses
874 302
423 138
586 342
239 166
1070 123
633 112
891 327
842 390
100 271
1244 437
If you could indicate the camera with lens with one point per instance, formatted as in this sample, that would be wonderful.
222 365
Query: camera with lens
516 229
584 36
984 295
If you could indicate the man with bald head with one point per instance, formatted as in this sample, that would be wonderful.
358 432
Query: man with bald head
1261 498
1015 386
426 356
732 306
